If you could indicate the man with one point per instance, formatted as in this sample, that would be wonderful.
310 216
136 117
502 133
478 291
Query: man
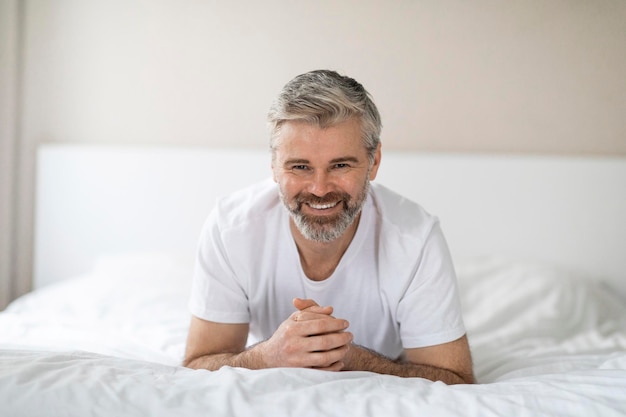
329 271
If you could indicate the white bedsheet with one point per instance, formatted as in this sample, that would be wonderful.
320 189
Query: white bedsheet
544 342
36 384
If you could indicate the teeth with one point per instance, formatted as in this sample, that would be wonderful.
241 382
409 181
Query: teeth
322 206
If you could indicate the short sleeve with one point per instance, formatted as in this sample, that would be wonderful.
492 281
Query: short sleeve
216 293
429 312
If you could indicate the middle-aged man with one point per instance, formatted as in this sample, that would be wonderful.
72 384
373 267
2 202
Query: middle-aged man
329 271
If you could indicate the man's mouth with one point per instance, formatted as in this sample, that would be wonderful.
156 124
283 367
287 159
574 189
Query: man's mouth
322 206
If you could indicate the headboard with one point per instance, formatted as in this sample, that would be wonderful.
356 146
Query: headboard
102 200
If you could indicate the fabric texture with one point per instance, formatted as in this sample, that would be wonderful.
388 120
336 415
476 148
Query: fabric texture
545 342
395 283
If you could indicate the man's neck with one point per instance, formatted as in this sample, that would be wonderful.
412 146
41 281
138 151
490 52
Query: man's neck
319 260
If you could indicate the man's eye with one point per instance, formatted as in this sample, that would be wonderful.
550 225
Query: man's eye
299 167
340 166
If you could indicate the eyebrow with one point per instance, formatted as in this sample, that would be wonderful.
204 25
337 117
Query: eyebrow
345 159
297 161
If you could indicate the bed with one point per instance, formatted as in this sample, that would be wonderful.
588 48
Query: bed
538 244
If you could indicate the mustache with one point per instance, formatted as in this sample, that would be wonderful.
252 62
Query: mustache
308 198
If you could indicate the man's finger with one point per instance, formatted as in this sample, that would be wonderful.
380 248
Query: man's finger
310 305
302 303
310 314
323 326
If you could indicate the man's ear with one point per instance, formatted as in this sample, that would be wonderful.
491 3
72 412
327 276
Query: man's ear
273 166
376 163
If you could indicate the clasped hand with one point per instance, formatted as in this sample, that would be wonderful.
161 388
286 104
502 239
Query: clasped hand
310 338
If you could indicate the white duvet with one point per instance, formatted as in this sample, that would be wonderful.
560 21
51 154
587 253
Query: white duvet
544 342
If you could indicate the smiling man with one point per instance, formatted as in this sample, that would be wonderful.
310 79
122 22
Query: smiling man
329 270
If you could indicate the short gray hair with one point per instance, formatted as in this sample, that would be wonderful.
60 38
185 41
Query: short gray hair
325 98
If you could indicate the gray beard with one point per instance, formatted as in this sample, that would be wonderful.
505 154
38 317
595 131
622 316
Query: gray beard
326 229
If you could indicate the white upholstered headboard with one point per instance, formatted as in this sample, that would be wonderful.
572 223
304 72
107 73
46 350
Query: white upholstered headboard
103 200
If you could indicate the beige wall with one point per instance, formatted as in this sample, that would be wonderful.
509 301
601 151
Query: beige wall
8 136
515 76
540 76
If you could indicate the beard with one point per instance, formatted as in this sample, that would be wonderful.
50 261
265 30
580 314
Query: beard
325 229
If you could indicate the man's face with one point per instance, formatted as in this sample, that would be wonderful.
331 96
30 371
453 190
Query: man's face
323 176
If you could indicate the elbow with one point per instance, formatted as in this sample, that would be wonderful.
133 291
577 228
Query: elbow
462 378
190 362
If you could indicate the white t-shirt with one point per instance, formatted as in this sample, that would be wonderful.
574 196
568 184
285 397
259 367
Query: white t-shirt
395 283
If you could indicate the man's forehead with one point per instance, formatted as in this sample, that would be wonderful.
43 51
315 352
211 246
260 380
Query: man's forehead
341 134
295 151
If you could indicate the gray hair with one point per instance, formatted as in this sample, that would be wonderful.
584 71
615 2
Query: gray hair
325 98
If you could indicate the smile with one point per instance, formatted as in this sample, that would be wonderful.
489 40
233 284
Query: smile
322 206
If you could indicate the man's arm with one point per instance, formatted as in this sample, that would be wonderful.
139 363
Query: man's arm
212 345
306 339
448 362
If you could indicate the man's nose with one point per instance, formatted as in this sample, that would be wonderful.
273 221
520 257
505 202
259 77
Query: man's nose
321 183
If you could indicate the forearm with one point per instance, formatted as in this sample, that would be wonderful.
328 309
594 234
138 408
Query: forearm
363 359
248 358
